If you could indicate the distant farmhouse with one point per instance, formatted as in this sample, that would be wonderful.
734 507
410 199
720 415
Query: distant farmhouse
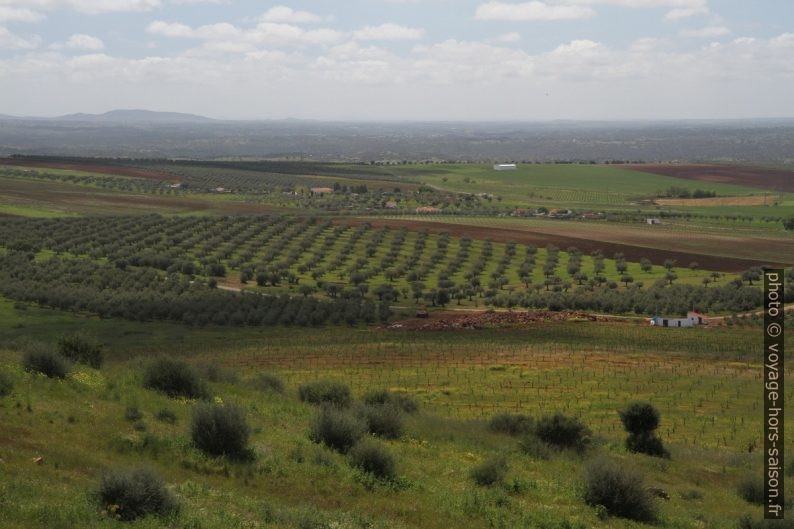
692 319
653 221
505 167
321 190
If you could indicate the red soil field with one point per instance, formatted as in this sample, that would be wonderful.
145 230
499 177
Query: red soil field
632 253
120 170
773 179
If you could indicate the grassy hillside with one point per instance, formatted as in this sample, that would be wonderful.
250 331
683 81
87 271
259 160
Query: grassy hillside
702 381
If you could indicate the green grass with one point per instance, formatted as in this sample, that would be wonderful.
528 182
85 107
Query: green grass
704 382
597 184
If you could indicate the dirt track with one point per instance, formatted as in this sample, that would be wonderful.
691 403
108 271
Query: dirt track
632 253
762 178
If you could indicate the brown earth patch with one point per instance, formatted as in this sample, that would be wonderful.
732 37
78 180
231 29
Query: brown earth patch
457 321
776 179
583 241
717 201
120 170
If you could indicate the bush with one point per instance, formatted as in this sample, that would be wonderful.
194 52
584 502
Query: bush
6 384
564 432
491 471
401 401
268 382
511 424
383 420
337 429
751 489
175 378
45 361
646 443
166 416
326 392
619 490
128 495
220 430
639 417
81 348
374 459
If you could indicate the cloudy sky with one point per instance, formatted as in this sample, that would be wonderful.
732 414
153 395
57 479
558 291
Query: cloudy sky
400 59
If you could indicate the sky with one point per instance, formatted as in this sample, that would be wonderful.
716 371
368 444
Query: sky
426 60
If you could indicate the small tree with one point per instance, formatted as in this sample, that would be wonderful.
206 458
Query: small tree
337 429
788 223
374 459
640 420
175 378
40 359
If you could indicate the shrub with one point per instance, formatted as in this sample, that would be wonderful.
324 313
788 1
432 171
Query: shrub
337 429
619 490
374 459
491 471
326 392
383 420
6 384
639 417
46 362
81 348
128 495
220 430
751 489
401 401
166 416
268 382
175 378
562 431
510 424
646 443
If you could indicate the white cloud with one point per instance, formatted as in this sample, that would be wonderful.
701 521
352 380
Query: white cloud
18 14
289 15
84 42
706 32
388 31
678 8
86 6
228 37
510 37
12 41
534 10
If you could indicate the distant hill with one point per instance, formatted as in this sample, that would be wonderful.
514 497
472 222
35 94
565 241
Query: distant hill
136 116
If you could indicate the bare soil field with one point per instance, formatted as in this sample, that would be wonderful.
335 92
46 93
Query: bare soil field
775 179
458 321
584 240
717 201
119 170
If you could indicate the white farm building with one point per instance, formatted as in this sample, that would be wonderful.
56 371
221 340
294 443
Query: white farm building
692 319
505 167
